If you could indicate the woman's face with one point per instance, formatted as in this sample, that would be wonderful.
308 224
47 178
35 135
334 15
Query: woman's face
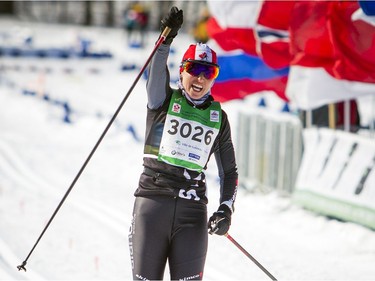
196 86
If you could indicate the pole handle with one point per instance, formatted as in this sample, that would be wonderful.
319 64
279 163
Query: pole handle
165 32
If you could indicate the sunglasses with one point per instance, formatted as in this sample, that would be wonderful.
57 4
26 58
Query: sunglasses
209 71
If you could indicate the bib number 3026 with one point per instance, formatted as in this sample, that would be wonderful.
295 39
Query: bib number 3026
186 130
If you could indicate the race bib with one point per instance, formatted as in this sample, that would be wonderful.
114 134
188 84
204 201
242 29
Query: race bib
189 134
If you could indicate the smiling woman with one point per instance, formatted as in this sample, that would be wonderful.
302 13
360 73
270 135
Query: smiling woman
185 126
198 70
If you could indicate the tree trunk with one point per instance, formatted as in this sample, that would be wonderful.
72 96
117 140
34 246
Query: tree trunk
7 7
88 13
110 21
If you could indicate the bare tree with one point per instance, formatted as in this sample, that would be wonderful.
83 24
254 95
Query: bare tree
7 7
63 16
88 13
110 20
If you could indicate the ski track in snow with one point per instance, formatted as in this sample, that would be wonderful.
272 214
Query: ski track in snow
26 178
13 167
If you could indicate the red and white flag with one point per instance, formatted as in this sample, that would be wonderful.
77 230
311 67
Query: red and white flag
333 57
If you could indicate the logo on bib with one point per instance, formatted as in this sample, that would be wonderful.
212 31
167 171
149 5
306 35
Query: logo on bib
214 116
194 156
176 108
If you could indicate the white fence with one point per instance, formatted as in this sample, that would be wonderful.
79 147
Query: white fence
270 150
330 172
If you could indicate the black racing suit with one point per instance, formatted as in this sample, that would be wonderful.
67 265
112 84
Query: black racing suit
170 211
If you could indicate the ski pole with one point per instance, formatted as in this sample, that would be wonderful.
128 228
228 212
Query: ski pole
161 39
250 256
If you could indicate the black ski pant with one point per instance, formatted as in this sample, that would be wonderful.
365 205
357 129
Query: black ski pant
166 228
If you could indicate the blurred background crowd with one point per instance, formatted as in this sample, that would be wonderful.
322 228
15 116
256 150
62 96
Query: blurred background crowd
145 15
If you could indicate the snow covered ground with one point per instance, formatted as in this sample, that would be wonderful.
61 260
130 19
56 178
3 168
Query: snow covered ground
40 156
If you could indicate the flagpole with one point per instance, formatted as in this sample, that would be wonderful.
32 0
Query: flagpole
332 116
347 116
372 118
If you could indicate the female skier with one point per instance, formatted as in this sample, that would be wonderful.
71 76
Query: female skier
184 127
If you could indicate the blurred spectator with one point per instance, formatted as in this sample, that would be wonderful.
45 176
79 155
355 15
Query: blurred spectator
199 30
135 22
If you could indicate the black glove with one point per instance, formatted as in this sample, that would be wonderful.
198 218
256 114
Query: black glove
173 20
219 222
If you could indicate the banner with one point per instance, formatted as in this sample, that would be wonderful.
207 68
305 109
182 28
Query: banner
337 176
